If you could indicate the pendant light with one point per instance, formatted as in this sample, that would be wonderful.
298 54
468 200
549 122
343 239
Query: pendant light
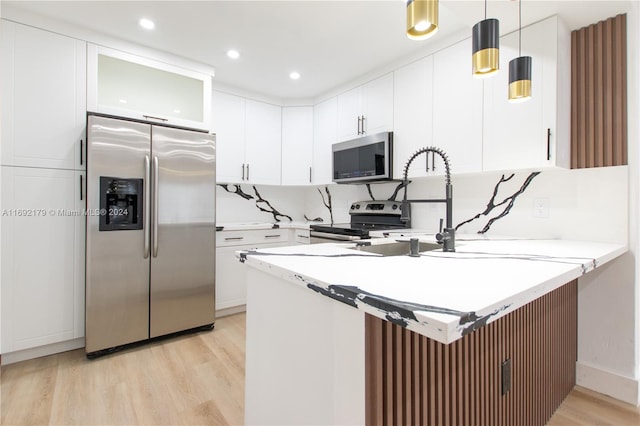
520 69
422 18
486 46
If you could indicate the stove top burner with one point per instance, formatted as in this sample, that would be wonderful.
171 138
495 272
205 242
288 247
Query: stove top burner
366 216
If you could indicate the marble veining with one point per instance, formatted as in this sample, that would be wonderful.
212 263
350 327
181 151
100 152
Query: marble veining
261 203
509 201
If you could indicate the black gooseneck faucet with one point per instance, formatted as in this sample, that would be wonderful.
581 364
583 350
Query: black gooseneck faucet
446 236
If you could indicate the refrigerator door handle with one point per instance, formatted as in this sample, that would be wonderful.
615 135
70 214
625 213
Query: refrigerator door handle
155 206
147 205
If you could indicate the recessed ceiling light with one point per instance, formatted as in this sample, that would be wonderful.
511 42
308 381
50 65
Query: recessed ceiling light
233 54
294 75
147 24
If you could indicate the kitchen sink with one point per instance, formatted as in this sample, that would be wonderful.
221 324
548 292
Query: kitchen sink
398 248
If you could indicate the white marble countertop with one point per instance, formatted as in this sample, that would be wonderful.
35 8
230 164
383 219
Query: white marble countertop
247 226
440 295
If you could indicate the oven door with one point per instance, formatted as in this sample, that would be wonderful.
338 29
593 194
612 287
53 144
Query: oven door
318 237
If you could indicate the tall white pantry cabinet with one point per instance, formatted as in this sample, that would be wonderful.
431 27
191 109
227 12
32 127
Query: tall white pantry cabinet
43 78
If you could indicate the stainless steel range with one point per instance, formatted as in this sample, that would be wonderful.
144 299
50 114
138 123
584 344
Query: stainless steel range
373 215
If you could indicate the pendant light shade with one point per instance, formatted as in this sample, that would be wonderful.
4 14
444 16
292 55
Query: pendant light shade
486 47
422 18
520 79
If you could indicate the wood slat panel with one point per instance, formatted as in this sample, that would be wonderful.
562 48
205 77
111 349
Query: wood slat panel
411 379
599 94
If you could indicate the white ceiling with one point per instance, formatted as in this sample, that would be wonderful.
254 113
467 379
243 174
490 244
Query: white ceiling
328 42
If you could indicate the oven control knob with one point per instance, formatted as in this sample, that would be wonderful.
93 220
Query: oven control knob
394 207
353 206
357 206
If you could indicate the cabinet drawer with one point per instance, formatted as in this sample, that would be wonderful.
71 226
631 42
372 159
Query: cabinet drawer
301 236
241 238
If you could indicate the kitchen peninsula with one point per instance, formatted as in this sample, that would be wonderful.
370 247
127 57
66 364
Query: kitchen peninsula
484 335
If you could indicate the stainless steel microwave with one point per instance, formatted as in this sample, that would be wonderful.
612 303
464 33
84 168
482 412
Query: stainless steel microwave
365 159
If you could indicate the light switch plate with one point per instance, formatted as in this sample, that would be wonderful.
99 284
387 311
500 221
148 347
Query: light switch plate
541 207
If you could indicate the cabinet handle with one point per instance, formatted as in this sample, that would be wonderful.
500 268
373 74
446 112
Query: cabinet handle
303 236
151 117
310 175
234 238
427 161
81 188
81 160
363 123
273 236
247 171
243 172
359 124
548 144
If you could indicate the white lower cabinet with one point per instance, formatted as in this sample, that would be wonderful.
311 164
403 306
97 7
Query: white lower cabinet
300 236
42 247
231 286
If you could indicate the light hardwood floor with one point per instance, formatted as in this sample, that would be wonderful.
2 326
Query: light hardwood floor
196 379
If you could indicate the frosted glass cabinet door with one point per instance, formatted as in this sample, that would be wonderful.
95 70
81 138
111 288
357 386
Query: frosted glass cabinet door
43 84
123 84
42 257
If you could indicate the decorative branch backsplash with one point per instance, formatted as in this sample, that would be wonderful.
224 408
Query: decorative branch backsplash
327 202
509 201
262 204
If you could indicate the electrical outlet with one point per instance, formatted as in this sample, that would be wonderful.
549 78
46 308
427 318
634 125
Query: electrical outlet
541 207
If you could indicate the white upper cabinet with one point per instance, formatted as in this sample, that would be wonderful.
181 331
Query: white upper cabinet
413 115
228 118
132 86
534 133
367 109
297 145
263 141
325 115
43 83
457 109
248 140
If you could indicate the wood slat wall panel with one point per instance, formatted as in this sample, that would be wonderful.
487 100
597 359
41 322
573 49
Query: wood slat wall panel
599 94
415 380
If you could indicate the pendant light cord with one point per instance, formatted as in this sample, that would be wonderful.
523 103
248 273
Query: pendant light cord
485 9
519 27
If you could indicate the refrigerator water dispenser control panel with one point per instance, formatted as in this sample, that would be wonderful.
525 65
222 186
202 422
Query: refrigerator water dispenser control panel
121 204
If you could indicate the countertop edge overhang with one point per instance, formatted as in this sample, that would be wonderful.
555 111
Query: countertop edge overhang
536 274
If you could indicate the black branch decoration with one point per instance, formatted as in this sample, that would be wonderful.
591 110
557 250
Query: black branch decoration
509 201
398 188
327 202
269 208
236 190
370 192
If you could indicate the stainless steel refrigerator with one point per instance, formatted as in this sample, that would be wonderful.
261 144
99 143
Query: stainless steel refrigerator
150 231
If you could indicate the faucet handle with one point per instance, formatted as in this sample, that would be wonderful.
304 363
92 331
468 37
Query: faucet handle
441 222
